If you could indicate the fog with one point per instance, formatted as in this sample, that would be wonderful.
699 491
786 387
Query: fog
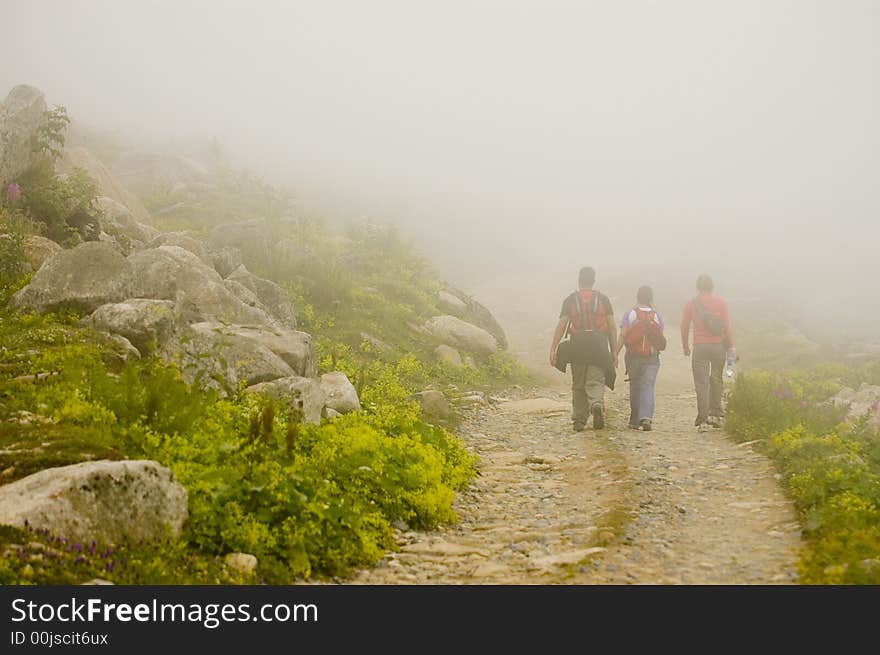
514 140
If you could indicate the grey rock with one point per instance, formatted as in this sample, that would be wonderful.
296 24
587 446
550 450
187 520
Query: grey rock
147 324
272 298
295 348
451 303
83 278
22 114
117 220
459 334
108 185
433 403
448 355
476 314
181 240
225 260
243 563
299 393
340 392
38 249
119 350
104 500
172 273
217 356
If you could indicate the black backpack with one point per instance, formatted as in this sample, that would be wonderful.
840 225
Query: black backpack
711 322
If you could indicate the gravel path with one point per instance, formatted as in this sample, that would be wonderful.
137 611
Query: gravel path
671 506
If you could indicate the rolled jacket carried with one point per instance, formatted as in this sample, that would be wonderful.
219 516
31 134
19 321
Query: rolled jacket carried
589 347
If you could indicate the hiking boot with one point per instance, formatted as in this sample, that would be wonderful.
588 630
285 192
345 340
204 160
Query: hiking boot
598 413
578 427
703 427
645 425
716 421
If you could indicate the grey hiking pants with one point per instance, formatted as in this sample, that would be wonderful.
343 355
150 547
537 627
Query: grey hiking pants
708 365
587 389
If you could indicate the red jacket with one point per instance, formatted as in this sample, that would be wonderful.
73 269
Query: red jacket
713 305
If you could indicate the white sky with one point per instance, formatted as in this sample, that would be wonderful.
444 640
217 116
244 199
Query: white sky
633 129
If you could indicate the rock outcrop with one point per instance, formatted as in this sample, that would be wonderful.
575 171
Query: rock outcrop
108 185
118 221
341 396
271 297
862 403
181 240
457 333
298 393
172 273
461 305
433 404
105 500
147 324
22 114
38 249
217 356
82 278
448 355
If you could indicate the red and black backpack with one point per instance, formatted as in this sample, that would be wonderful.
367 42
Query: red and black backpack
644 335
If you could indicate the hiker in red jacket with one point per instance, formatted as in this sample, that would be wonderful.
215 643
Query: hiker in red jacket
712 340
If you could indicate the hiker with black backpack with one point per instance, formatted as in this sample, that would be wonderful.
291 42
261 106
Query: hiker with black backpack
713 341
591 349
641 331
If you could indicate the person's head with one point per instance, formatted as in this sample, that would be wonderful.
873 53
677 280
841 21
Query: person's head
586 277
705 284
645 295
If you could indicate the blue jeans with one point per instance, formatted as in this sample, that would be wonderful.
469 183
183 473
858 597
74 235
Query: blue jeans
642 375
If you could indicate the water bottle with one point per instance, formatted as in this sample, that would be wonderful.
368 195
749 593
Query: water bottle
729 367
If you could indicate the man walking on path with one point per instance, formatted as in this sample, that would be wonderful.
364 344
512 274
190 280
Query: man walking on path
587 317
712 340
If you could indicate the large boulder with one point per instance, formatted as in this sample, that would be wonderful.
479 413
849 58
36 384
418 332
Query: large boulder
862 403
298 393
250 237
148 324
181 240
272 298
82 279
104 501
295 348
172 273
108 185
225 261
118 221
215 356
22 114
463 306
38 249
457 333
341 395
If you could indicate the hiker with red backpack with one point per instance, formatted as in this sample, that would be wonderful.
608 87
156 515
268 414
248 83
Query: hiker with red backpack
641 331
713 343
591 349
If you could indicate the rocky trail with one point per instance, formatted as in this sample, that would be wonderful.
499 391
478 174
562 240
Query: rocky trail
616 506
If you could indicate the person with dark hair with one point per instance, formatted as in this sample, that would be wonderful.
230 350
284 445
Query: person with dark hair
641 331
588 319
712 340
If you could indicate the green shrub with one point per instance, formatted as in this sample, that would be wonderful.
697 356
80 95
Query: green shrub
831 469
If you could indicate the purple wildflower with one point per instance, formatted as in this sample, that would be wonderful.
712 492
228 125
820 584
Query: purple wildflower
13 192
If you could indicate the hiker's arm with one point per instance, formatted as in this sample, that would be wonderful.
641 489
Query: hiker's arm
686 319
621 340
557 337
612 339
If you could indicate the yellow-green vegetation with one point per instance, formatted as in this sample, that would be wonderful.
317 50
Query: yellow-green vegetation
831 468
307 500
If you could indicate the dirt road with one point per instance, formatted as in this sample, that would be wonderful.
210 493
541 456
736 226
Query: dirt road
615 506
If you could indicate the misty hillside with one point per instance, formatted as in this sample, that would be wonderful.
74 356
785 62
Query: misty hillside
291 384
